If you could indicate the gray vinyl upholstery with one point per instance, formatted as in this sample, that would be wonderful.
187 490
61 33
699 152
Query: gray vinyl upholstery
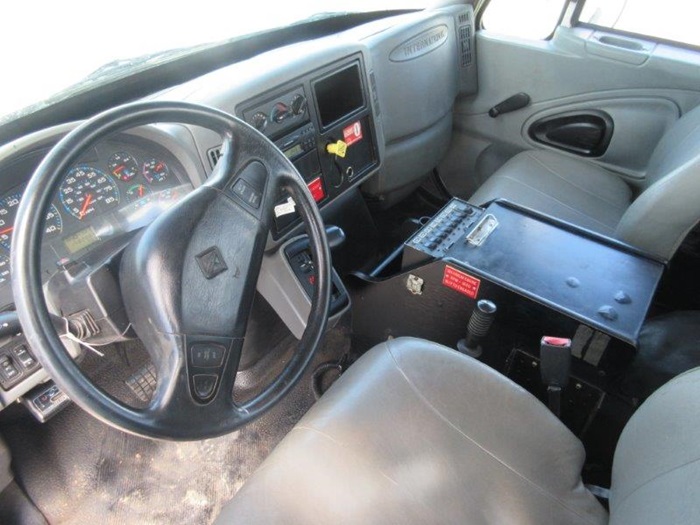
416 433
582 193
656 471
561 186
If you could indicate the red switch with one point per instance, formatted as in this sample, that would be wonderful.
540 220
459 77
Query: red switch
316 189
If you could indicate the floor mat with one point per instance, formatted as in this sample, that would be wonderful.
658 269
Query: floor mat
78 470
668 346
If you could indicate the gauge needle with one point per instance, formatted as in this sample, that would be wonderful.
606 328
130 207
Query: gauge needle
118 169
86 203
7 230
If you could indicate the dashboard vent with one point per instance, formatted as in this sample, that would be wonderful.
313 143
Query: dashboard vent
464 18
465 44
214 155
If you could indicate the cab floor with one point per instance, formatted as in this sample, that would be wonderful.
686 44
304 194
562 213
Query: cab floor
78 470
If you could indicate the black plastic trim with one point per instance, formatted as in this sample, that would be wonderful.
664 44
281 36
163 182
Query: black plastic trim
542 131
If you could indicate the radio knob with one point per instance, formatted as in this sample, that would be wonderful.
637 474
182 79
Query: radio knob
299 105
259 121
280 112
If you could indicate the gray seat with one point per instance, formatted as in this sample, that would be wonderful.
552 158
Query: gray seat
417 433
582 193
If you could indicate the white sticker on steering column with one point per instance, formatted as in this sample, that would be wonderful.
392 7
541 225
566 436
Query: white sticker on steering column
285 208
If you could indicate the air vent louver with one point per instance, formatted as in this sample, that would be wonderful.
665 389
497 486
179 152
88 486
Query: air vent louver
214 155
465 34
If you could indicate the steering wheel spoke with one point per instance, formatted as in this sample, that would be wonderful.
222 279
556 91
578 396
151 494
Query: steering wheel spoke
188 279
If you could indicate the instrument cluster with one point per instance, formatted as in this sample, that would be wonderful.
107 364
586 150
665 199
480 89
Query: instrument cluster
116 187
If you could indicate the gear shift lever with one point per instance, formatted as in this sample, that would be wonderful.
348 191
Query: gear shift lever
479 324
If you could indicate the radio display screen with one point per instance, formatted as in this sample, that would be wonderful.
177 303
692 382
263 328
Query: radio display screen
293 151
339 94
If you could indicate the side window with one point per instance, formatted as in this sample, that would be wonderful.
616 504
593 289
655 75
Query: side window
533 19
673 20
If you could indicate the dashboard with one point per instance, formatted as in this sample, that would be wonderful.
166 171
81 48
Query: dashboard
360 110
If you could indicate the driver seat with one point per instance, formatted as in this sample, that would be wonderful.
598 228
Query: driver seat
415 432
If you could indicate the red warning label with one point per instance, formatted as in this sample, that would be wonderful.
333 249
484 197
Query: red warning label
460 281
352 133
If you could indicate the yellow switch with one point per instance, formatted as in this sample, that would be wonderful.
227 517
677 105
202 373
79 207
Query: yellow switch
339 148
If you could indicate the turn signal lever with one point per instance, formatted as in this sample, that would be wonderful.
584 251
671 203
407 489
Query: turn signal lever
555 368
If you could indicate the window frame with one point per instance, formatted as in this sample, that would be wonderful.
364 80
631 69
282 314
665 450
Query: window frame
576 22
483 6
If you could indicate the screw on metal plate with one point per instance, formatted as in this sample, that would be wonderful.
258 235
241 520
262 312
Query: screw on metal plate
414 284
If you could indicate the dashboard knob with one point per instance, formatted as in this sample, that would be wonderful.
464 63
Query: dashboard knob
259 121
299 105
280 112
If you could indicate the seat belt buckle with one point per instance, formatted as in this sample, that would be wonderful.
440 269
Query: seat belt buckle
555 368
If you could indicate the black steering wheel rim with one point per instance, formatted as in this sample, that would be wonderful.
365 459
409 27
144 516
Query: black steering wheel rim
32 309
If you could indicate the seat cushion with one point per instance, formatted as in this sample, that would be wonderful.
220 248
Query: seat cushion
415 432
569 189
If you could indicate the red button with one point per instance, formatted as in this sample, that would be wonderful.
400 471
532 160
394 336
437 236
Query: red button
556 341
316 189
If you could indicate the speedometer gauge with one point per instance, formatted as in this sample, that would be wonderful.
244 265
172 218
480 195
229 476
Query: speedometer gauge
4 269
86 191
123 166
8 212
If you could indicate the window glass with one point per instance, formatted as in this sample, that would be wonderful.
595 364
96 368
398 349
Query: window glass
534 19
674 20
49 47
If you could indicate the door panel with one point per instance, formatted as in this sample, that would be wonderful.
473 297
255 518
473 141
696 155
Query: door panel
578 70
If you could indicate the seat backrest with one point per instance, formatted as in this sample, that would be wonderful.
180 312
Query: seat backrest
679 145
669 207
656 471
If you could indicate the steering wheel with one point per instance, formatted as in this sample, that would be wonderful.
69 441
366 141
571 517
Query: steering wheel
187 280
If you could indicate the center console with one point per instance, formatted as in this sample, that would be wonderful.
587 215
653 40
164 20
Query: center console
546 276
323 123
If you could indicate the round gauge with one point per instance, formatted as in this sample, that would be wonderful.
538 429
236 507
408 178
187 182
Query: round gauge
259 121
136 192
155 171
86 191
8 213
54 223
123 166
4 269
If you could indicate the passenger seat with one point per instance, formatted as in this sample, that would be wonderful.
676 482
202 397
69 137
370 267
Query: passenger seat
587 195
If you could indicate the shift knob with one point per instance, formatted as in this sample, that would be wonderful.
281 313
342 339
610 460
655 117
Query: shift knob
479 325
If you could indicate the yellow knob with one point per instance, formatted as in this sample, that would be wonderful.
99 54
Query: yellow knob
339 148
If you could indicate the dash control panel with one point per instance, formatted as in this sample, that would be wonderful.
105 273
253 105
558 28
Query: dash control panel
16 364
451 224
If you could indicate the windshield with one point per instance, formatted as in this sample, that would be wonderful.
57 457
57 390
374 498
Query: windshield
51 46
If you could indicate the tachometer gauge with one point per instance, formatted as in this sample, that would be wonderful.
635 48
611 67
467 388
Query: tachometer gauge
123 166
136 192
155 171
86 191
8 212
